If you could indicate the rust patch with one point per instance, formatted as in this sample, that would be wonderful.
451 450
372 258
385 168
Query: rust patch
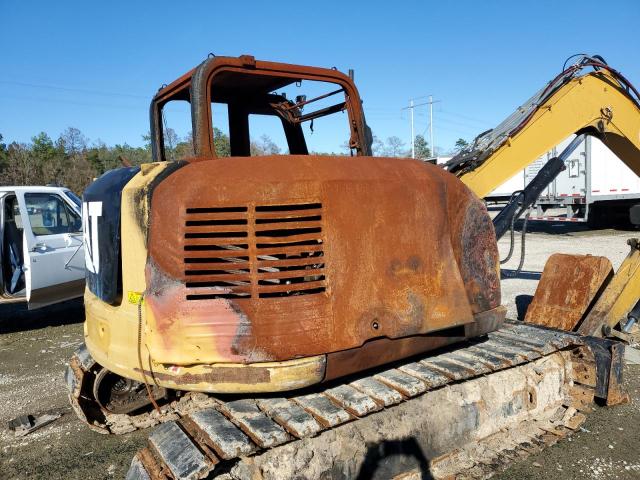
244 375
417 314
486 322
473 242
384 350
616 393
374 269
567 289
480 263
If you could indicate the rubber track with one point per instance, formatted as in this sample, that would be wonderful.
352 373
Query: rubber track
197 443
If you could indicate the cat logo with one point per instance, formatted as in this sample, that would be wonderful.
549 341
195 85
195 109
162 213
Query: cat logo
90 213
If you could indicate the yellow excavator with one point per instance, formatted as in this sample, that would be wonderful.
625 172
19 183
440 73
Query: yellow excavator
576 292
267 310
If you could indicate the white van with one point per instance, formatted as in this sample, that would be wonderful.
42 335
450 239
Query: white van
41 245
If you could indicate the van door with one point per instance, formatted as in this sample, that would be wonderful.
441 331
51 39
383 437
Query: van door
54 256
12 282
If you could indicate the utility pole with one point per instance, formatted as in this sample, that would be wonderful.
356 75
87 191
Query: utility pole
411 107
413 137
433 146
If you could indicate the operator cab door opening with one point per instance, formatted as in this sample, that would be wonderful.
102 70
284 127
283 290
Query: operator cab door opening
12 248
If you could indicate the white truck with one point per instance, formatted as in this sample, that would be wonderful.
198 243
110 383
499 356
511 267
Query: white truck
595 187
41 245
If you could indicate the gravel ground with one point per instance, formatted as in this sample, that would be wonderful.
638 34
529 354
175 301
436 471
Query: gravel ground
34 347
606 447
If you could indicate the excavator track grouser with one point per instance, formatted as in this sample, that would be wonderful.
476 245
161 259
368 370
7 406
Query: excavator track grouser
473 409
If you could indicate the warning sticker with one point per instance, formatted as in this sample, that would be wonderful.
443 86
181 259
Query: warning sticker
134 297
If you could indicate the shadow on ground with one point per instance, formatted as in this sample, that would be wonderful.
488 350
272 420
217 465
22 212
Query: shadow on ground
570 228
507 273
387 458
15 317
522 304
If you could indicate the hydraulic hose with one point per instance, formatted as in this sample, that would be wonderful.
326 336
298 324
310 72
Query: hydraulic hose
523 247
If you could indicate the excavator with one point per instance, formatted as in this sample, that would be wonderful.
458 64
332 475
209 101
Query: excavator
603 104
312 316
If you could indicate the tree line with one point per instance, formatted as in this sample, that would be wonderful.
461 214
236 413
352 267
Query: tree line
73 161
70 160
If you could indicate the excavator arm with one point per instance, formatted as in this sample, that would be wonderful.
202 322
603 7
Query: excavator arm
601 103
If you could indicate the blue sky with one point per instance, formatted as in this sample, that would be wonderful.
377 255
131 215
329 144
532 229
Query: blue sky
96 65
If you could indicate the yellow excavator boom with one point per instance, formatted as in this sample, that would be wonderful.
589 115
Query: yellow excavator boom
599 103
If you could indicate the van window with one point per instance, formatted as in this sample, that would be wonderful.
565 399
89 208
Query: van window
74 198
50 215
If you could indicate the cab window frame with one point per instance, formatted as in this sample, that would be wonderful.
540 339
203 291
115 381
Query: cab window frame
350 97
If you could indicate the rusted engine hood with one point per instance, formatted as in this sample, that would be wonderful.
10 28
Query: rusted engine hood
274 258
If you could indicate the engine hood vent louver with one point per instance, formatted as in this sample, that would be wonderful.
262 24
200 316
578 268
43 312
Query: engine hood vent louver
266 251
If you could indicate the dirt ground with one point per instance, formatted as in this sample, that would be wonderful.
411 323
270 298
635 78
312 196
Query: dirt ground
34 347
606 447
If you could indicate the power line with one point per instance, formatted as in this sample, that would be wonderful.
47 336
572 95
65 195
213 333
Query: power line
474 125
465 117
469 126
466 126
73 89
167 108
68 102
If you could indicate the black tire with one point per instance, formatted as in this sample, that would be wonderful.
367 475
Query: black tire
596 218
